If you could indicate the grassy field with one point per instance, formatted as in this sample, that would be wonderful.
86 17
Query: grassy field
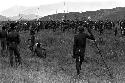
59 66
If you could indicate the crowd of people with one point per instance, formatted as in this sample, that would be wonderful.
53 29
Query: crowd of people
10 37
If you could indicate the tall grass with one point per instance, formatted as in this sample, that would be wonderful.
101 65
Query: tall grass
59 66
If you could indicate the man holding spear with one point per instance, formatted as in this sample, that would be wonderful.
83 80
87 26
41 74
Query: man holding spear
79 48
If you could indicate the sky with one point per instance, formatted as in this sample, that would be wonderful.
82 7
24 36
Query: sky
101 4
5 4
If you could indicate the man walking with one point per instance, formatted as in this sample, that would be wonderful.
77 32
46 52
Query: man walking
79 46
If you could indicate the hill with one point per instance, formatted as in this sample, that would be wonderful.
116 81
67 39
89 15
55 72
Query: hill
25 17
102 14
3 18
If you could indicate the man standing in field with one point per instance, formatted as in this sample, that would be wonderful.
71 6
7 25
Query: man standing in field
13 40
3 36
80 45
32 39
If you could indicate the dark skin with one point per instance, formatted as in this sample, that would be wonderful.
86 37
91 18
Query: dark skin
80 40
3 36
32 39
13 40
80 45
39 51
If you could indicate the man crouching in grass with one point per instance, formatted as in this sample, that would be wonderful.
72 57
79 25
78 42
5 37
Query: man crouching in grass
40 51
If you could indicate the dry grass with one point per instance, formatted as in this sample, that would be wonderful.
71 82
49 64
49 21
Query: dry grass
59 67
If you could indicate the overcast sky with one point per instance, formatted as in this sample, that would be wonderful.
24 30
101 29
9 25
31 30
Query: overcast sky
5 4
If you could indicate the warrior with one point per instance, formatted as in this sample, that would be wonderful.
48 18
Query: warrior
3 36
32 39
40 51
80 45
13 40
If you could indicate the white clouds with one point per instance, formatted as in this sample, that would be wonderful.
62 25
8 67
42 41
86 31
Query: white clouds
4 4
120 3
35 2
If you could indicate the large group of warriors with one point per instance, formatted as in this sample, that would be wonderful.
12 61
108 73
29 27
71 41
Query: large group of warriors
65 25
10 38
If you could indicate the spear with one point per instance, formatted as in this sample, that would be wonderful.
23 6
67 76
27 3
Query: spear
108 69
20 18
